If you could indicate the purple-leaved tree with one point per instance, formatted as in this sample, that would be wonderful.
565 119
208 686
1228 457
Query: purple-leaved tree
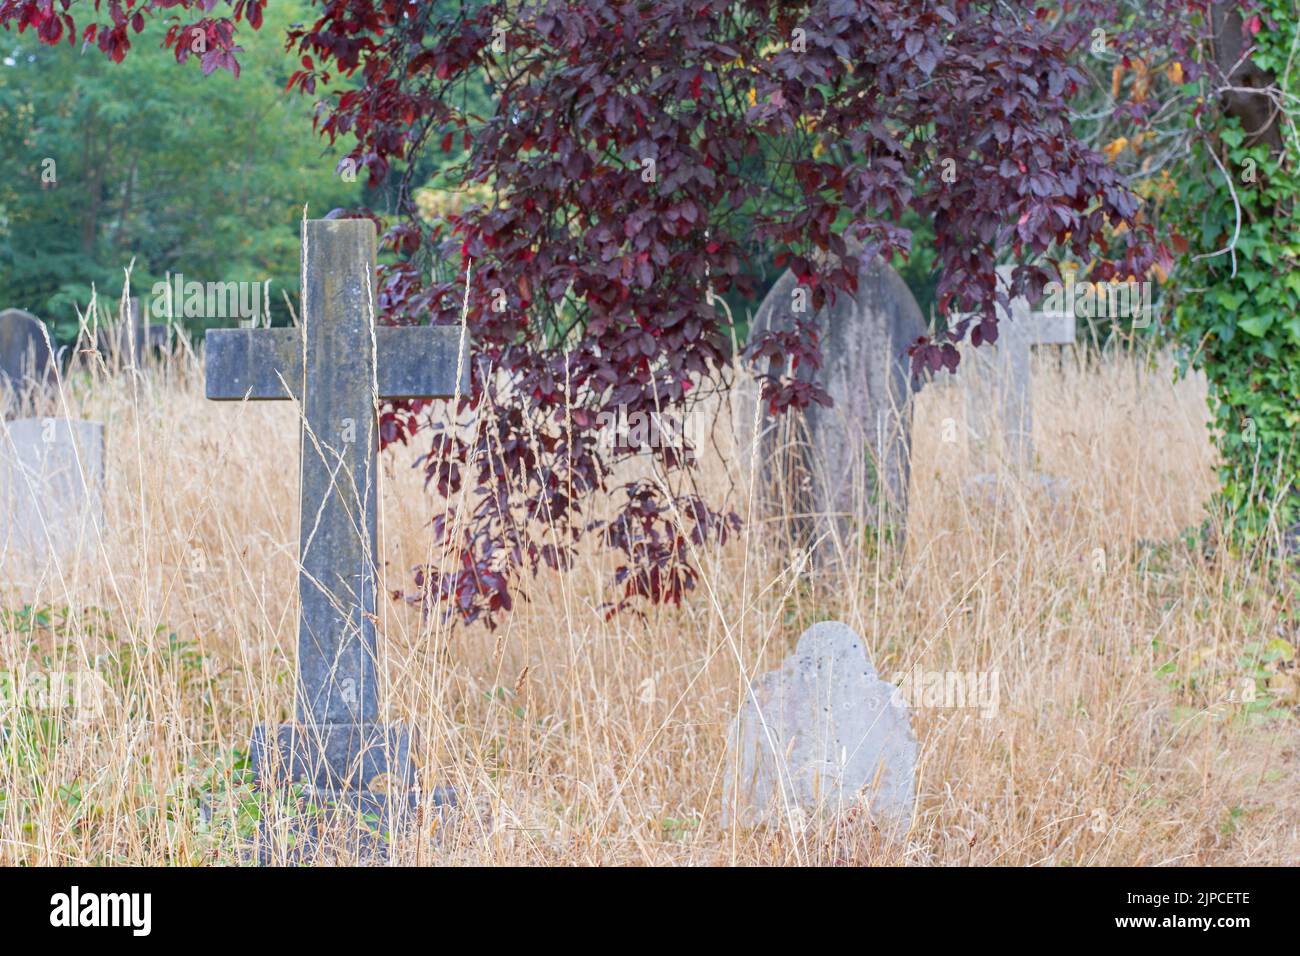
637 156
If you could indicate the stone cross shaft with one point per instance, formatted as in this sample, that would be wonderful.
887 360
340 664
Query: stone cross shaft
338 365
1007 378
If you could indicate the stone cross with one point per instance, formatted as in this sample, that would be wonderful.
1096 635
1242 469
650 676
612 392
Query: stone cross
1005 384
338 365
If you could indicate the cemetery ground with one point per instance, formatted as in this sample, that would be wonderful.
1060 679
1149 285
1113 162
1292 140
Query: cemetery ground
1146 686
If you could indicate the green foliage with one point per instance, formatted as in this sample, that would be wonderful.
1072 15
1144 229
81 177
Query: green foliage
155 162
1239 314
46 729
679 830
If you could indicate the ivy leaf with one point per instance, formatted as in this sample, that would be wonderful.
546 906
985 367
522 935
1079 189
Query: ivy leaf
1292 326
1228 299
1251 278
1256 325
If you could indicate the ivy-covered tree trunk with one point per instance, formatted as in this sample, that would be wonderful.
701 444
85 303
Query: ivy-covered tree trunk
1240 316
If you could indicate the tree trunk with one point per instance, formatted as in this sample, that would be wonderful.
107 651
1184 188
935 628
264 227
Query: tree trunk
94 162
127 200
1256 111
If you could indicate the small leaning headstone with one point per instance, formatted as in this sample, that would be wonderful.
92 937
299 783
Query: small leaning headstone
51 488
824 467
821 735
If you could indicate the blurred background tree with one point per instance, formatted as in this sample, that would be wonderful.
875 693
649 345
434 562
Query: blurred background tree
153 161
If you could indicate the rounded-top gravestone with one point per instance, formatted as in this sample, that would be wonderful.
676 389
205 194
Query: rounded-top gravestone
24 347
823 468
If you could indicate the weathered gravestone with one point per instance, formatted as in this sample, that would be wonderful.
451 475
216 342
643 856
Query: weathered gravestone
130 340
823 734
51 488
338 366
24 348
998 379
824 466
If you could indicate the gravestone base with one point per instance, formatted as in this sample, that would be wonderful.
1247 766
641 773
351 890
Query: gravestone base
350 788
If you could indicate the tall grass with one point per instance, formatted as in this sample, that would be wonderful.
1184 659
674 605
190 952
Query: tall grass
1146 711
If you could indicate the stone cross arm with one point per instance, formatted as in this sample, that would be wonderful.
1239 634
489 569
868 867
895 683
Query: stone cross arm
1028 327
1040 328
267 364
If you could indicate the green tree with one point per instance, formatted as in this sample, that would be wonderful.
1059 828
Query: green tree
152 161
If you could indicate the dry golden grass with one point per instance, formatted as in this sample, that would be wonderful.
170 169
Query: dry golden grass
576 740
